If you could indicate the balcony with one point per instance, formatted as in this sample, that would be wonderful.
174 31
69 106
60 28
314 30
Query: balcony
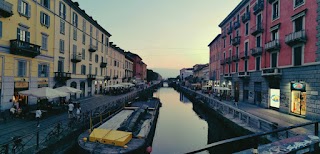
272 45
236 41
222 61
229 30
235 58
62 76
245 17
107 78
5 9
257 29
92 48
23 48
243 74
258 7
296 37
256 51
244 55
103 64
227 76
271 72
228 60
75 58
236 24
91 77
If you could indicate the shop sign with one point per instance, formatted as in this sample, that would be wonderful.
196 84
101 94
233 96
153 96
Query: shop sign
21 84
275 98
298 86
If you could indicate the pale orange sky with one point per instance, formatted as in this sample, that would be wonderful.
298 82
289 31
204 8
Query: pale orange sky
170 34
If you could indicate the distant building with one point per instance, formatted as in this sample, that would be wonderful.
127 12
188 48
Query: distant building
185 72
214 63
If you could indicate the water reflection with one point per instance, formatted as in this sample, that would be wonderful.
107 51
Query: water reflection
183 126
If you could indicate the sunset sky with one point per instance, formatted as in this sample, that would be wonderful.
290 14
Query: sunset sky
167 34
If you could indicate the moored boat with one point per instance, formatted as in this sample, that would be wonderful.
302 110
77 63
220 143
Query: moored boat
129 131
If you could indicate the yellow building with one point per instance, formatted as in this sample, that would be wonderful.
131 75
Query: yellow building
26 48
116 59
81 48
128 67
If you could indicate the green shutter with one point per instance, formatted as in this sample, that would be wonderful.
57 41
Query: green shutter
18 34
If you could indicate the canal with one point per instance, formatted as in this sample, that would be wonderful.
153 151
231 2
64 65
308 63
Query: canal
183 126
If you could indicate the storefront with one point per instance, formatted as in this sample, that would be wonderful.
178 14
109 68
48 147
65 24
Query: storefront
298 98
17 99
274 100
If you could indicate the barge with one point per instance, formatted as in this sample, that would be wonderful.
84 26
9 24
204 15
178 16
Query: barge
129 131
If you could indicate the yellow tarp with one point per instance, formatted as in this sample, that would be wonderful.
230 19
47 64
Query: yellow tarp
112 137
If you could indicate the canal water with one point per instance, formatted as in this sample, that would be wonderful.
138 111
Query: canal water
185 126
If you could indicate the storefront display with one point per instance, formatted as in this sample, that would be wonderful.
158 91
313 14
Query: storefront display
274 98
298 98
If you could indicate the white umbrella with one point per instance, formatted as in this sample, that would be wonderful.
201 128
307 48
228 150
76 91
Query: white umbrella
68 90
44 92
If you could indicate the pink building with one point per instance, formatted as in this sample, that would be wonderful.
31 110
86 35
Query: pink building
139 67
269 55
214 62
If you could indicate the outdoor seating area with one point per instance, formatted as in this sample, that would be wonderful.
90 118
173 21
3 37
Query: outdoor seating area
119 89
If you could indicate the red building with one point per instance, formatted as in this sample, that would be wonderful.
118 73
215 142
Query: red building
269 55
214 65
139 67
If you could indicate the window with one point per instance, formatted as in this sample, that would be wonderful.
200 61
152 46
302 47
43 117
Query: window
61 64
44 19
297 56
23 35
43 70
83 69
74 66
102 43
298 3
275 10
45 3
237 66
258 41
75 19
75 34
258 63
90 56
96 58
275 35
247 28
62 26
224 43
298 24
83 38
83 54
62 10
229 69
237 51
230 39
44 42
91 30
24 8
84 26
115 63
246 47
102 59
274 58
22 68
246 65
61 46
90 68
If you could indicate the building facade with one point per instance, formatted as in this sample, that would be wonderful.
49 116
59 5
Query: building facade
81 47
269 55
139 67
214 61
185 72
128 66
26 48
116 68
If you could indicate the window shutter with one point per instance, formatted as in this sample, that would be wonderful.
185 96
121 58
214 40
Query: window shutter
28 37
0 29
64 11
19 6
48 21
18 34
41 18
29 10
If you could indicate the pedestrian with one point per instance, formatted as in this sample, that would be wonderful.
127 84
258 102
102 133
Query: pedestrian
78 112
236 101
70 110
38 116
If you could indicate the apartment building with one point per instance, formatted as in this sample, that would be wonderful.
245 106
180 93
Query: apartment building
269 55
26 48
81 48
139 67
128 66
214 61
116 70
185 73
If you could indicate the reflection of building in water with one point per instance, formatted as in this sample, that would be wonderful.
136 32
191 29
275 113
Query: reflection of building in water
184 99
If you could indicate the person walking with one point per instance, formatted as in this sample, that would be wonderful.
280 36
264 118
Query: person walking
70 110
38 116
78 112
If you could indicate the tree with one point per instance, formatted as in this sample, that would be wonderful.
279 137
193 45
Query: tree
152 75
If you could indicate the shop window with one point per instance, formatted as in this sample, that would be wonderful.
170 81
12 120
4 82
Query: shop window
298 98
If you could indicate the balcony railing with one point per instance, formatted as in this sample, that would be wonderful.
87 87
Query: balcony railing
228 60
257 29
271 72
258 7
236 24
245 17
107 78
62 76
5 9
103 64
244 55
76 57
243 74
272 45
296 37
256 51
236 41
235 58
22 48
91 76
229 31
222 61
93 48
